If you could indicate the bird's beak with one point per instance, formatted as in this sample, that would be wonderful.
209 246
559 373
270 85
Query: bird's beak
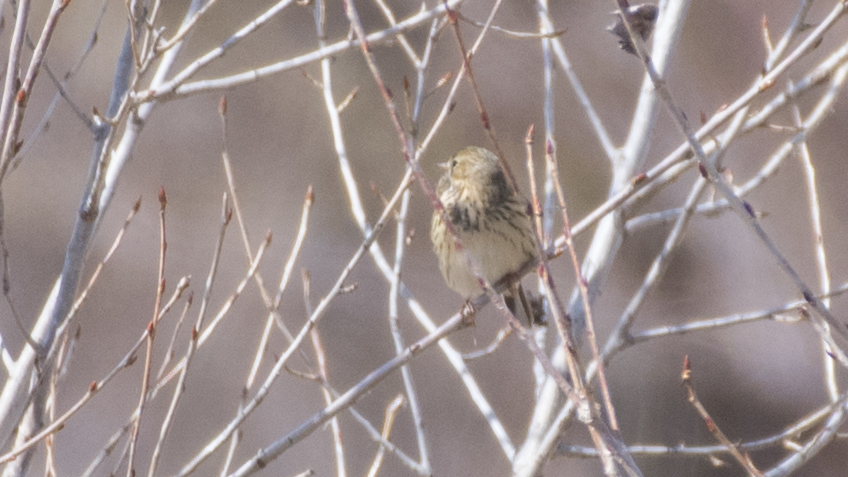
444 165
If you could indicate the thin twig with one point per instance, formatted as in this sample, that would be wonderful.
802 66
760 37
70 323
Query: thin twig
177 87
803 153
179 389
95 387
279 446
742 209
692 397
388 423
270 305
779 439
319 312
411 157
321 360
151 335
730 320
22 95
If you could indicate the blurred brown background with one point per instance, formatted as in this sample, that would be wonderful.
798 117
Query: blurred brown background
754 378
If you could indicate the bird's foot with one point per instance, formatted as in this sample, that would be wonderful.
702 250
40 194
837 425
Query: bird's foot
468 313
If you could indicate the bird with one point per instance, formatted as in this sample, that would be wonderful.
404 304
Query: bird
642 18
491 222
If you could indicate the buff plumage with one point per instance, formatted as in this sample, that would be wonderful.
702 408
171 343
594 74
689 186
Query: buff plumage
488 218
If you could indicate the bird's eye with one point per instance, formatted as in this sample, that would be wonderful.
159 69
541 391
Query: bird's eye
453 163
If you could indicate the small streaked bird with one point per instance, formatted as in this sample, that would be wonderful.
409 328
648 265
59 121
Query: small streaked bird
489 219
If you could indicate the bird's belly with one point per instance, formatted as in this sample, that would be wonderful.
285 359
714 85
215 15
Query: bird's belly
496 253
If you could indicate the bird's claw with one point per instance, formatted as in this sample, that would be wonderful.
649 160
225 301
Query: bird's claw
468 312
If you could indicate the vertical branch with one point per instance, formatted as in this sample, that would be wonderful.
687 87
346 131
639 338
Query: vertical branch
583 287
273 313
100 188
795 27
151 335
608 235
601 132
10 85
167 421
316 315
397 337
478 98
62 296
415 169
547 395
803 153
100 185
10 144
321 358
401 240
631 158
388 423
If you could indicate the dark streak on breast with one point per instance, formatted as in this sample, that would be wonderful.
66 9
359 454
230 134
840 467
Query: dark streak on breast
500 191
461 219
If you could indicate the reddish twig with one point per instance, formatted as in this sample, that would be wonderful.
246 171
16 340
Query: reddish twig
743 459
